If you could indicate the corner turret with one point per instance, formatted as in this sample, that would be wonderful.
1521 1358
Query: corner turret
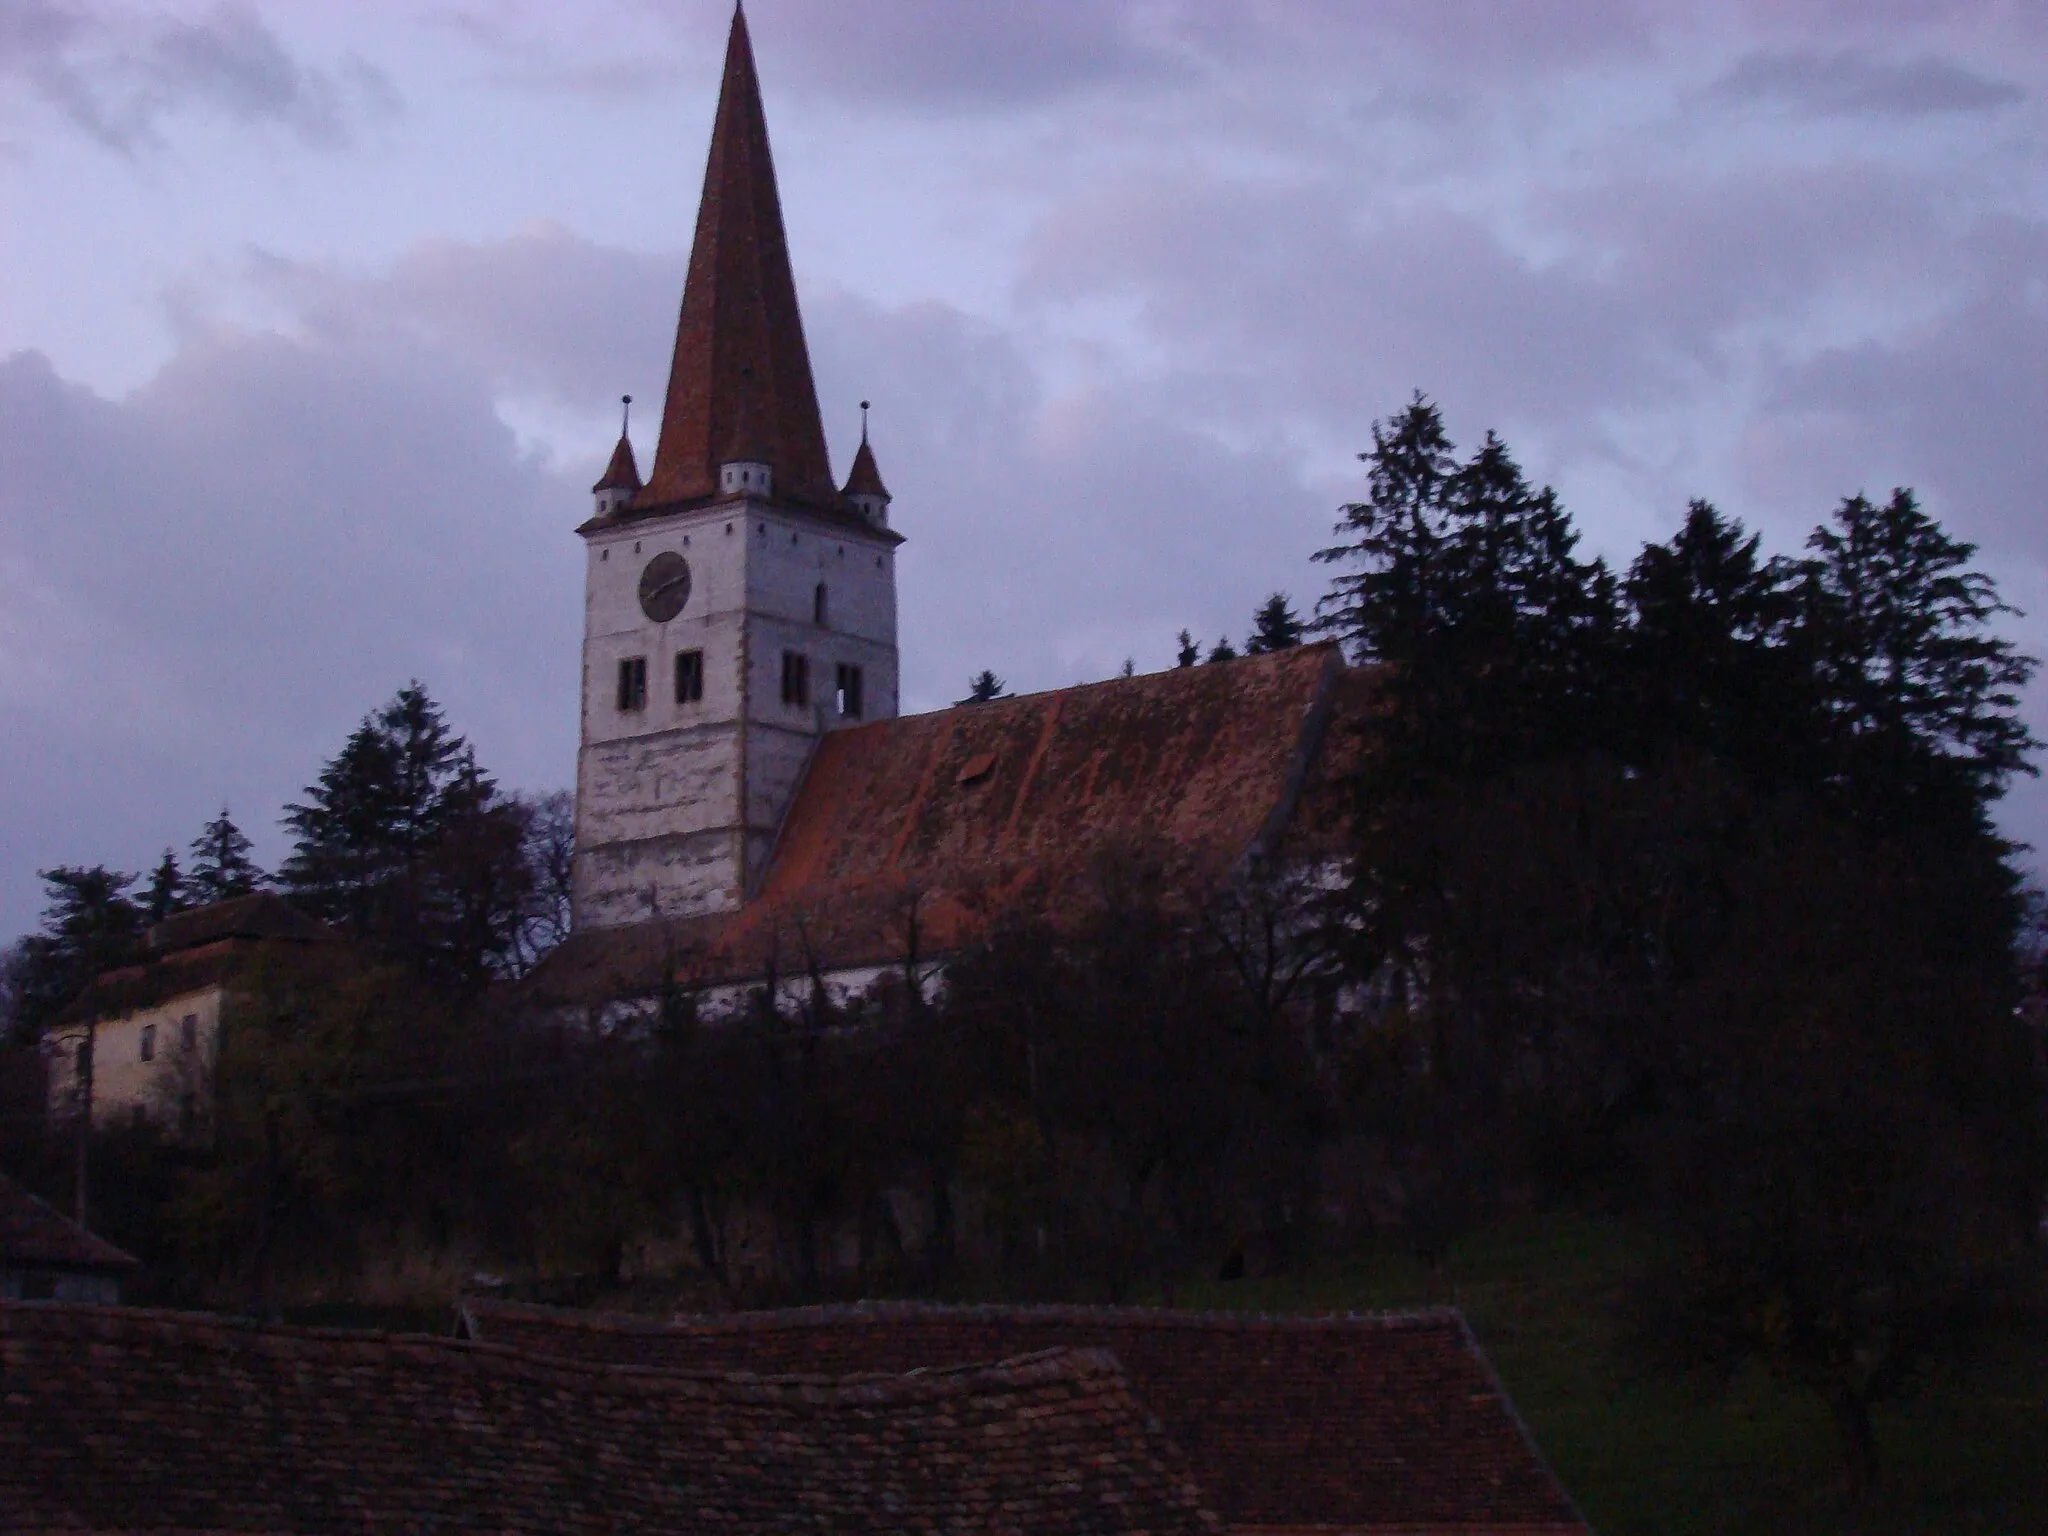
864 491
620 482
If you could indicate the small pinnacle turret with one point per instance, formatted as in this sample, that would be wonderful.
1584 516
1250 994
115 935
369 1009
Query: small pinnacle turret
621 480
864 490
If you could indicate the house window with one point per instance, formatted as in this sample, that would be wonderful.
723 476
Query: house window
632 683
849 691
818 604
188 1031
149 1042
796 678
689 677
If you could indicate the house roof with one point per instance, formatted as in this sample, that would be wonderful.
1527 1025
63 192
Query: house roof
741 374
986 809
128 1420
33 1234
192 951
1362 1424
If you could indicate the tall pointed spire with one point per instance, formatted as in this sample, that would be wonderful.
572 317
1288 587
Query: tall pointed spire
741 369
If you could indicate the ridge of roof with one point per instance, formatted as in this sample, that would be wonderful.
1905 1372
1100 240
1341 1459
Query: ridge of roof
33 1231
622 473
740 378
1214 1318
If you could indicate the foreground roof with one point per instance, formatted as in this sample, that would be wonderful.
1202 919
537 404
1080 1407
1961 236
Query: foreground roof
1361 1424
990 809
122 1420
35 1235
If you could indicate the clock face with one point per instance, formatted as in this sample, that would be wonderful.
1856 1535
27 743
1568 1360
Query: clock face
664 586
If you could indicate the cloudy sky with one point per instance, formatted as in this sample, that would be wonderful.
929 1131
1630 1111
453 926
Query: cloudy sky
313 318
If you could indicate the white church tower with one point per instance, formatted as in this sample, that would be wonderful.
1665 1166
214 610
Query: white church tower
738 605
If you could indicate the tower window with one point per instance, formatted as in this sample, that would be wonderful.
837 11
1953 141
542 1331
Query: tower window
188 1031
849 691
796 678
818 604
689 677
632 684
149 1042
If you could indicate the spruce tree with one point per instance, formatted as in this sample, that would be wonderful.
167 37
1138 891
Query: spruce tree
406 843
985 686
1275 627
1223 650
1921 700
1189 652
165 892
221 866
89 925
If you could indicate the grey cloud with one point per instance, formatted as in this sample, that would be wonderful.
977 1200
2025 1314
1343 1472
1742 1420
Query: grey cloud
1857 85
119 77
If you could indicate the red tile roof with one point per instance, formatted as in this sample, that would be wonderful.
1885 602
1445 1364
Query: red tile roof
35 1235
122 1420
190 951
1198 766
1383 1423
622 473
740 381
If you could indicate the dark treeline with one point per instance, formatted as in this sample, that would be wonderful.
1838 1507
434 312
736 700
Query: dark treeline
1672 892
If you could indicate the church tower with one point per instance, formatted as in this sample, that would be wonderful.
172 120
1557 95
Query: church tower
738 605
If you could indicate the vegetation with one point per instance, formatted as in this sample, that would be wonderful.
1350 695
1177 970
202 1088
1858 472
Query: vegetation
1669 897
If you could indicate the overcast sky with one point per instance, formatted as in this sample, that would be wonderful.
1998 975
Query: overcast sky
313 320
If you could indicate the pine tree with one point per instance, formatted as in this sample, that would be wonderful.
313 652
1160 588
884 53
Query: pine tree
985 686
406 842
1275 627
165 892
1921 701
221 866
1189 652
1223 650
89 926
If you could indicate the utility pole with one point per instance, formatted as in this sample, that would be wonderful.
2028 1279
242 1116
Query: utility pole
81 1072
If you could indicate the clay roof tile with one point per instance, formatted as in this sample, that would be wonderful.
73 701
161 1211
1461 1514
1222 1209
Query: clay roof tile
622 474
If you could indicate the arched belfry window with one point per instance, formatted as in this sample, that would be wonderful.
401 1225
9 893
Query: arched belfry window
818 611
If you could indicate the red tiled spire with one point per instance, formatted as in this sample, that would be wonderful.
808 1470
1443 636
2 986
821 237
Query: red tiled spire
741 370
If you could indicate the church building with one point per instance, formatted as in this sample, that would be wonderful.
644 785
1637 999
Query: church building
748 800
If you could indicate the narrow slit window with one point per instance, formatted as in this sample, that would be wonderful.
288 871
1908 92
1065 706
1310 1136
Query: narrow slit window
632 684
149 1042
689 677
188 1031
796 678
849 691
818 610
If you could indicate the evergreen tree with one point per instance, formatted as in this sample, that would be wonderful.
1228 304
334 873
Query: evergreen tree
407 844
1921 701
1463 580
1713 651
221 866
165 893
1275 627
985 686
89 926
1189 652
1223 650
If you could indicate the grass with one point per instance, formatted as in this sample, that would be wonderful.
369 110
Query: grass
1641 1453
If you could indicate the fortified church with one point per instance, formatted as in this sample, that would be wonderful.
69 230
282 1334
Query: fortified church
748 799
